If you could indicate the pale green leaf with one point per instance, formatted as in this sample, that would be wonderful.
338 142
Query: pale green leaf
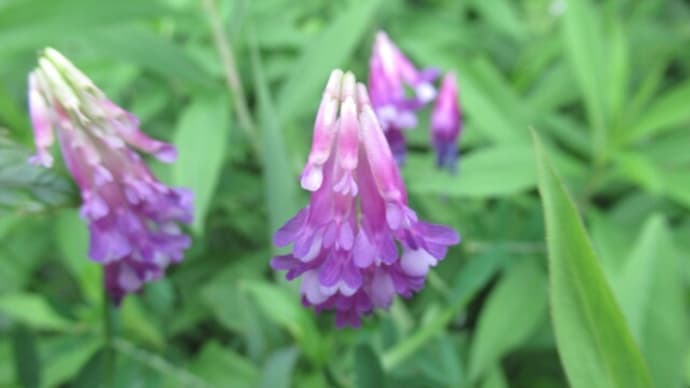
488 172
669 110
582 39
33 310
279 368
221 366
651 292
201 140
521 294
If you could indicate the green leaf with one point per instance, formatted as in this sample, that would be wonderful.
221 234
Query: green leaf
618 68
495 378
151 51
26 187
201 139
677 183
279 368
64 356
493 171
503 16
27 364
329 50
283 308
488 95
220 366
72 237
32 310
594 342
231 307
33 24
369 373
582 40
280 181
92 374
470 280
140 323
521 294
639 169
440 360
651 292
668 111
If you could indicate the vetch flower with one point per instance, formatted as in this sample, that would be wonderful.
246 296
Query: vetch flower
357 244
133 218
397 90
446 124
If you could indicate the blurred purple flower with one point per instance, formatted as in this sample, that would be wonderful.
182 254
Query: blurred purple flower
446 124
133 218
345 242
390 75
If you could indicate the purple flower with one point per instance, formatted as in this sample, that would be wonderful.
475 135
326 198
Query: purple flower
390 75
133 218
346 242
446 124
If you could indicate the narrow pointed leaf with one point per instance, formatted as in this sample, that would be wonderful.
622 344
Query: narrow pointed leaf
281 181
593 339
330 49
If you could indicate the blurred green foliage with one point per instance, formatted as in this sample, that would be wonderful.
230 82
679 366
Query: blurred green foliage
604 84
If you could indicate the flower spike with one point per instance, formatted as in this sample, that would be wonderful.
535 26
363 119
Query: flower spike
346 243
133 218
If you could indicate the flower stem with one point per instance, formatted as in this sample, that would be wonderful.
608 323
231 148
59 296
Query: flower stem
232 78
108 334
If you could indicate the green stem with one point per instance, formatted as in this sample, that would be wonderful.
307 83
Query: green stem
232 78
109 334
408 346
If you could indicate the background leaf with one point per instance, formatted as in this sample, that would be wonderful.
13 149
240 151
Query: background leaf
582 40
649 291
32 310
281 194
496 335
493 171
368 367
26 187
201 139
329 50
279 368
26 358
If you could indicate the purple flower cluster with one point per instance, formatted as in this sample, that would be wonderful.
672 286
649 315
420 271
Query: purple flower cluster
133 218
391 78
346 242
